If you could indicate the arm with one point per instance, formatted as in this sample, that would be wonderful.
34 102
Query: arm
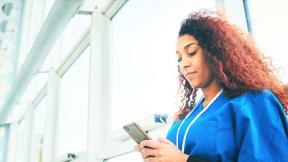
261 130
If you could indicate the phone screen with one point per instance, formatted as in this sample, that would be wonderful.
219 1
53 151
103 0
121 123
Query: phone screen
136 132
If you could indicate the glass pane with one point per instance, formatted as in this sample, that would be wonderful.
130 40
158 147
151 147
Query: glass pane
37 83
73 107
20 142
48 6
72 33
69 38
4 133
270 31
143 76
134 156
38 131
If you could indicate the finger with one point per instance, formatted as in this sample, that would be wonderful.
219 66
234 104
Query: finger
163 140
151 144
144 156
148 152
137 148
150 159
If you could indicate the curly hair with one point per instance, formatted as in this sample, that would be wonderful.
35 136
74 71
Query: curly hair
238 64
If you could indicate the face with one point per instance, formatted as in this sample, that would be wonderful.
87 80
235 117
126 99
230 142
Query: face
192 62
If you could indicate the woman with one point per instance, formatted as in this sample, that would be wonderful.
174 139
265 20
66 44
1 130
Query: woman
242 114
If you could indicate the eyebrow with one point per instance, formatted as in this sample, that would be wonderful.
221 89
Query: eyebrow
187 45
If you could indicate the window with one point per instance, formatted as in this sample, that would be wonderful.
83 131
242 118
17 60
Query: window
73 107
134 156
270 31
38 131
36 84
143 76
20 149
48 6
73 32
4 132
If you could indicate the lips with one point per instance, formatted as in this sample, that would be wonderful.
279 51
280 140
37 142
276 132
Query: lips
190 74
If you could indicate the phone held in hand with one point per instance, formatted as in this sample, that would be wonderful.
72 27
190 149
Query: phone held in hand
136 132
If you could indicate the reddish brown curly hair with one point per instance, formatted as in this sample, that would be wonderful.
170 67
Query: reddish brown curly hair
238 64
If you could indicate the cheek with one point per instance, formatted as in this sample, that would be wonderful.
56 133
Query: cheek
209 75
206 72
180 69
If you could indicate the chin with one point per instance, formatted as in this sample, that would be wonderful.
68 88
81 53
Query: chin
195 85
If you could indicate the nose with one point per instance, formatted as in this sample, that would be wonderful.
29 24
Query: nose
184 63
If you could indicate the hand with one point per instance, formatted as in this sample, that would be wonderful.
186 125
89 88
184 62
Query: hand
160 150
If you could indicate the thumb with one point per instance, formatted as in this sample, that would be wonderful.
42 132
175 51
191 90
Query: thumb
137 148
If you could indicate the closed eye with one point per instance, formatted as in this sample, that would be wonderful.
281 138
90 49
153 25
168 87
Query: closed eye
192 53
179 58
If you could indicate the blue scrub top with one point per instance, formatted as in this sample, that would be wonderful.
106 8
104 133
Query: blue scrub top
251 127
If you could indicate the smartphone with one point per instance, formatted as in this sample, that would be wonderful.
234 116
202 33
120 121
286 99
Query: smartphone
136 132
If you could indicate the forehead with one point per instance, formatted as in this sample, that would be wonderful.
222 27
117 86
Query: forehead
184 41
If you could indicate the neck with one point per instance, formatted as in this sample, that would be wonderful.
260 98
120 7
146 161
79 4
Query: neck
211 90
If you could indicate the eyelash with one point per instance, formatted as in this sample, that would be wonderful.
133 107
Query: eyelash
190 54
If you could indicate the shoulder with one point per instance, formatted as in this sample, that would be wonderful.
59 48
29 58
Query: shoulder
261 94
255 97
261 104
257 102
